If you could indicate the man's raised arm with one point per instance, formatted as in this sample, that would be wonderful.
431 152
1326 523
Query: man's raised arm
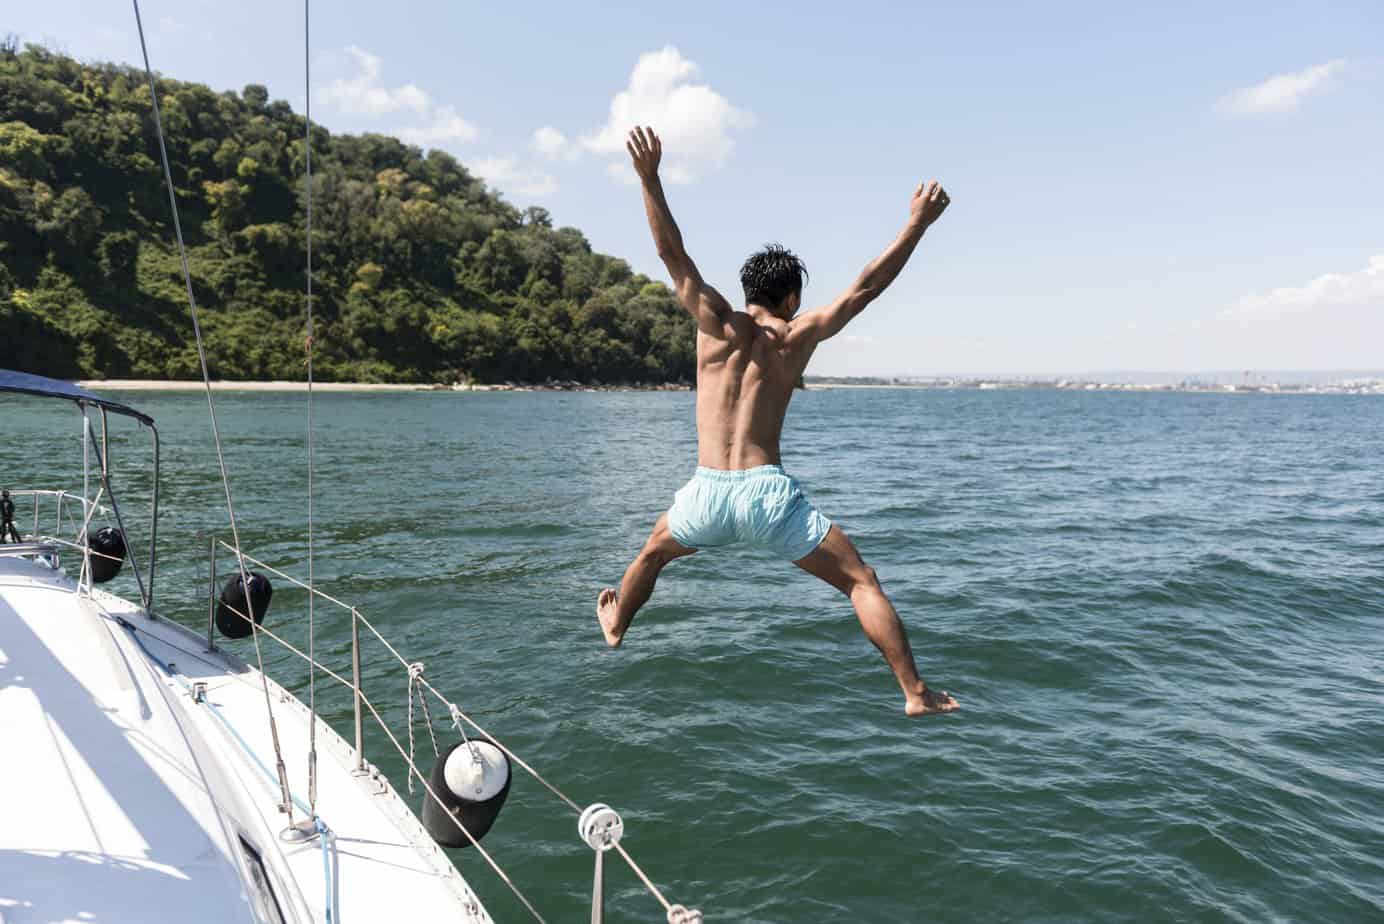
929 201
704 303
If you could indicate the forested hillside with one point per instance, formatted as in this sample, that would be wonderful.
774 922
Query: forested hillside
420 272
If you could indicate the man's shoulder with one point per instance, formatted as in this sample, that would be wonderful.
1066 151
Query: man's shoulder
742 325
806 321
803 332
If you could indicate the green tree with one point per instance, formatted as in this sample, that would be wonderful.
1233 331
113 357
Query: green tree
420 271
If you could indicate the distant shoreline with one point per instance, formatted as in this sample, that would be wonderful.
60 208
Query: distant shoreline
285 386
1375 387
1124 387
166 385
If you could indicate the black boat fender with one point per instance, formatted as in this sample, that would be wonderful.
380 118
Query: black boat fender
107 546
471 778
232 611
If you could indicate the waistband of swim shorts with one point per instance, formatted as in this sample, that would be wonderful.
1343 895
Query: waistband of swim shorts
741 474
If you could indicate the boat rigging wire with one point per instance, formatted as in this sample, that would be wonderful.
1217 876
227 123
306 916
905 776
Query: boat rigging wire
329 872
115 510
285 796
413 768
675 912
308 347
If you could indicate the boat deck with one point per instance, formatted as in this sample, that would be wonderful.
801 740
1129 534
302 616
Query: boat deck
128 800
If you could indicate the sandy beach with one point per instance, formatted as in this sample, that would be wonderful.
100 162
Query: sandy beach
227 385
165 385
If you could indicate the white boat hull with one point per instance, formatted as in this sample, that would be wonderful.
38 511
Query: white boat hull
127 798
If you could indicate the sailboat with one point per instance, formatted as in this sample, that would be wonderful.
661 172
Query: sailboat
150 775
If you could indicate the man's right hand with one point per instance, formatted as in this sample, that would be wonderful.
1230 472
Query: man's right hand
930 200
646 151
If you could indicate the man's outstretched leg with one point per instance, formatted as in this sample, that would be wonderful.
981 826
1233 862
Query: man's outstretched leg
837 562
616 611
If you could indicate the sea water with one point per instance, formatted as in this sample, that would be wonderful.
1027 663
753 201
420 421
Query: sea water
1163 615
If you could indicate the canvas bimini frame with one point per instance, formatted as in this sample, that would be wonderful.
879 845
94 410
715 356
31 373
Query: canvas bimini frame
39 386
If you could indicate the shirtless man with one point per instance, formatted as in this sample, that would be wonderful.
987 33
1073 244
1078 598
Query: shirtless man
747 365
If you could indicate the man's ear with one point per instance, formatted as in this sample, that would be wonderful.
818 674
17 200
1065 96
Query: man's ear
793 303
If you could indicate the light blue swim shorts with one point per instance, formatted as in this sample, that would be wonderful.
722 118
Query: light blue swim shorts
762 507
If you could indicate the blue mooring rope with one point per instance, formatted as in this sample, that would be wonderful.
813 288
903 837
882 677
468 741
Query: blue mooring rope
323 832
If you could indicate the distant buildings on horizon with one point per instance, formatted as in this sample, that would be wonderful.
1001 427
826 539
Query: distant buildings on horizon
1286 382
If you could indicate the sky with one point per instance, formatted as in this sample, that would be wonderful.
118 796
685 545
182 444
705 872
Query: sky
1173 187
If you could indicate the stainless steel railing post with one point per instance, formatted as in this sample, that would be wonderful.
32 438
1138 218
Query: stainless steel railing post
355 686
211 597
154 518
90 507
598 891
105 449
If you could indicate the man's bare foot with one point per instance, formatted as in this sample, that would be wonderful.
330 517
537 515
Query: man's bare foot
607 606
929 702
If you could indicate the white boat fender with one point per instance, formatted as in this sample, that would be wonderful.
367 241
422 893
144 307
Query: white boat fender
108 552
471 778
232 612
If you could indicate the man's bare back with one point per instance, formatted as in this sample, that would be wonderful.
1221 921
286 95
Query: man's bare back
744 384
748 364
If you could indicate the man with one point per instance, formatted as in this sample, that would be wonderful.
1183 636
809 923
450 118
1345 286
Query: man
747 365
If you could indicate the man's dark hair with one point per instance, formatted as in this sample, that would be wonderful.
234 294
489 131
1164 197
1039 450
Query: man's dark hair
771 275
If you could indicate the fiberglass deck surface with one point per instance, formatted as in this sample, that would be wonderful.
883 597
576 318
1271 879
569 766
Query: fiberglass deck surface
121 795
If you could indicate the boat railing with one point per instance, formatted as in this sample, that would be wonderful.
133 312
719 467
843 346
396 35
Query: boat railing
599 826
43 544
96 449
64 501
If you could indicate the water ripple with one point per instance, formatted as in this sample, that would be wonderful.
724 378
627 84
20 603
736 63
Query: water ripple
1161 613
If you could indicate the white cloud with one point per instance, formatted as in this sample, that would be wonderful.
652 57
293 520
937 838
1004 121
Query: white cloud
695 122
552 144
447 125
622 173
509 175
1335 321
1362 286
677 172
1281 92
363 93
